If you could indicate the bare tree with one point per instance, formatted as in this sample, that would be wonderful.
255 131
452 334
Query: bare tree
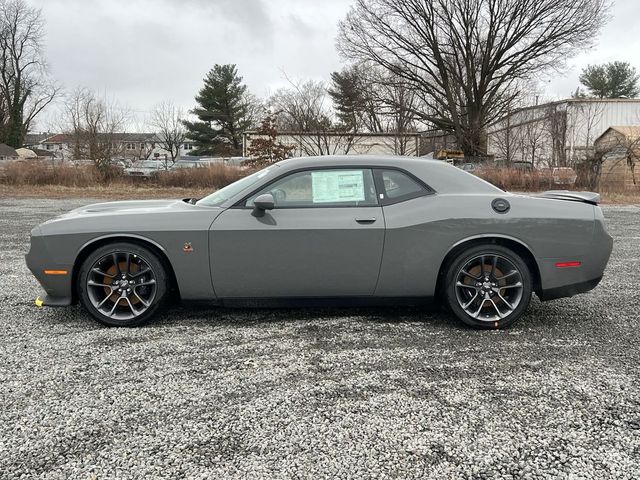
557 129
169 129
25 89
302 107
465 58
585 119
396 104
304 112
93 126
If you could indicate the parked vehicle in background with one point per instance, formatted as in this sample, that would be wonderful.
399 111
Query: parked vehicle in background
179 165
468 167
236 161
522 166
449 156
145 168
564 176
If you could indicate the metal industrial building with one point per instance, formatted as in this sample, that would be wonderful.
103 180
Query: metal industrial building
309 144
558 133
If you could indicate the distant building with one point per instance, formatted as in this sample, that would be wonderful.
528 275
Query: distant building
8 153
309 144
558 133
130 146
620 150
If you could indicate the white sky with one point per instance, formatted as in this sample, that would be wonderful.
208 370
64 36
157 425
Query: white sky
141 52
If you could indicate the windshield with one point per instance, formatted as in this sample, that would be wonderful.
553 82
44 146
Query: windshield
148 164
219 197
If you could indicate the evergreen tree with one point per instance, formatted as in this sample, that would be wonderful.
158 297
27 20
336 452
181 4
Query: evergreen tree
223 113
356 100
347 97
611 80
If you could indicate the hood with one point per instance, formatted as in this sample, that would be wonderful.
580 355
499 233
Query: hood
143 169
130 207
137 206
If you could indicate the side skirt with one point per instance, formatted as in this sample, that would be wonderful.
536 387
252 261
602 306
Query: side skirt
303 302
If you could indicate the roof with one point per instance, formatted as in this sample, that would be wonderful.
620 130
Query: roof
57 138
26 153
631 132
33 138
118 137
7 151
43 153
439 175
294 133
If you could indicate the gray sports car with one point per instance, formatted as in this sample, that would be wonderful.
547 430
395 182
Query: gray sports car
310 230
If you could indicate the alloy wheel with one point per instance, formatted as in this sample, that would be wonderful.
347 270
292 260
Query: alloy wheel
121 285
489 287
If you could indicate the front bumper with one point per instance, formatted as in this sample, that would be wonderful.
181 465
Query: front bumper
49 301
58 287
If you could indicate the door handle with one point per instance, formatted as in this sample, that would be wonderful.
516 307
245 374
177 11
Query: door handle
365 220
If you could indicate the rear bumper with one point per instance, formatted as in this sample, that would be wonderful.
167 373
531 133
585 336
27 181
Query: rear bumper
569 290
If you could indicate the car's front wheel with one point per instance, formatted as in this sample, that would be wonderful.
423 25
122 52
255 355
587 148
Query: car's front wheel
488 286
122 284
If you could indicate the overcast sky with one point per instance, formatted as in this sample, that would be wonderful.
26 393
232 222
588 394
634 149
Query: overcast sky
140 52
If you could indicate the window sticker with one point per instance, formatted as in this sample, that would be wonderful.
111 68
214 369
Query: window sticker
334 186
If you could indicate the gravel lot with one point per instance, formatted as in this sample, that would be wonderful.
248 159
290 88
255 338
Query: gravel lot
319 393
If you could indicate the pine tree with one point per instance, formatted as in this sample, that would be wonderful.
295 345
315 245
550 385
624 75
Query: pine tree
347 98
611 80
223 113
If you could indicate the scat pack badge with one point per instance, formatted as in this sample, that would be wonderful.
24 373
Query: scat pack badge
187 247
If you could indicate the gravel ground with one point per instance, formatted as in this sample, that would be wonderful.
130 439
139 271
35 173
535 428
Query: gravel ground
319 393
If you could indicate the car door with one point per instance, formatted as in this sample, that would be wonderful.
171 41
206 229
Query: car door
324 238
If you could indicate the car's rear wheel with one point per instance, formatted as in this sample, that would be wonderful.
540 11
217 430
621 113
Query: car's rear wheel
488 286
122 284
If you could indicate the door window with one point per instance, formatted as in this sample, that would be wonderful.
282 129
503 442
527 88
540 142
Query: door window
353 187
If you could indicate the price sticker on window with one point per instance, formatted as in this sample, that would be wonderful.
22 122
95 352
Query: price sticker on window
335 186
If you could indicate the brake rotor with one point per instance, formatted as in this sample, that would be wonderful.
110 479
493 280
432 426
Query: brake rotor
133 268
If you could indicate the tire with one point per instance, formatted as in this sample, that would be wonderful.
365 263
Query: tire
122 284
489 304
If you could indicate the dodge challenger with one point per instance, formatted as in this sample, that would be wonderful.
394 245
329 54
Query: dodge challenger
348 229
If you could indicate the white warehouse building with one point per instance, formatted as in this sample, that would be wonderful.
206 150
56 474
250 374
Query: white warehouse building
558 133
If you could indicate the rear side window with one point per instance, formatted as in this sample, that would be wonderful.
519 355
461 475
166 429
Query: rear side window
398 186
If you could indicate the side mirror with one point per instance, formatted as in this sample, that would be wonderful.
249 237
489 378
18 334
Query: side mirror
262 203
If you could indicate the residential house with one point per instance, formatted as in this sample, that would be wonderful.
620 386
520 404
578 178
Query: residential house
7 153
129 146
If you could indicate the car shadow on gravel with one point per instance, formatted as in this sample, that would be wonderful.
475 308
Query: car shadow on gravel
554 315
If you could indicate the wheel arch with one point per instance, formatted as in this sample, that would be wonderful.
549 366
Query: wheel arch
98 242
517 246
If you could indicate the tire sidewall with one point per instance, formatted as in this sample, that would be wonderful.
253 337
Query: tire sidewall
489 249
149 257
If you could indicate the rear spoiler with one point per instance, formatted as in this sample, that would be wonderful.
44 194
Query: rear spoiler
585 197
